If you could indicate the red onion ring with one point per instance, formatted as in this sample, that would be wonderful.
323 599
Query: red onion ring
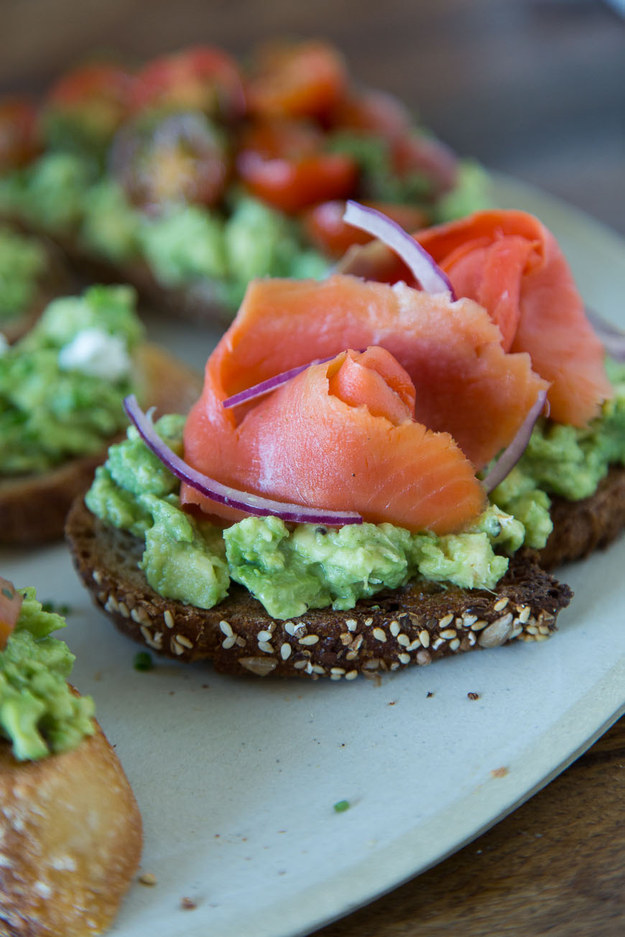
427 273
612 338
223 494
511 455
265 387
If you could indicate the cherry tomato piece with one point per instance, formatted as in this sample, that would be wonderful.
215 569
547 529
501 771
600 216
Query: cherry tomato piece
18 133
413 153
305 79
372 112
181 158
326 229
201 78
91 100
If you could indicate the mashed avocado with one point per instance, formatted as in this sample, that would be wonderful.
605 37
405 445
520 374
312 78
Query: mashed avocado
54 401
567 460
289 568
111 227
39 714
51 192
189 244
22 261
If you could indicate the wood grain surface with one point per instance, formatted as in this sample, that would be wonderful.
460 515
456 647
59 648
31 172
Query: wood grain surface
535 88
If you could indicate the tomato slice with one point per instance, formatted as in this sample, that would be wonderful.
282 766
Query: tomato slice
326 229
201 78
94 97
10 606
282 163
416 153
305 79
18 133
372 112
180 158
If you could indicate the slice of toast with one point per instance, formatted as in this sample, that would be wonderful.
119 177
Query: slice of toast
415 625
580 527
33 507
71 838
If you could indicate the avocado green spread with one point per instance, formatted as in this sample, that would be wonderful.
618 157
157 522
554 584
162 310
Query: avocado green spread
62 386
39 714
289 568
22 261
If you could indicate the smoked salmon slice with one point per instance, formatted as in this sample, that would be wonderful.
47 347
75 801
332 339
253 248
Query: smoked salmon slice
466 384
511 264
438 370
342 434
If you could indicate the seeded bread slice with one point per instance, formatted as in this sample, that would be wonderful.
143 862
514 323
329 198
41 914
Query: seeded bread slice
33 507
415 625
580 527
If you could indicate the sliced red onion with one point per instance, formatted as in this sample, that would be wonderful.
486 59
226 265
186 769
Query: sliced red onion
613 338
223 494
510 456
258 390
427 273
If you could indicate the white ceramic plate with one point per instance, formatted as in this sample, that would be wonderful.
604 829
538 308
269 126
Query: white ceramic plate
237 779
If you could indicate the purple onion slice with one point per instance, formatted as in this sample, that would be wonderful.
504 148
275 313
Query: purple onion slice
611 336
511 455
223 494
265 387
426 272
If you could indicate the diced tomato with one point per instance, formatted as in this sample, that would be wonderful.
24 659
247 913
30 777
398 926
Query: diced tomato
10 605
282 163
415 153
325 227
182 157
372 112
18 133
305 79
95 96
201 78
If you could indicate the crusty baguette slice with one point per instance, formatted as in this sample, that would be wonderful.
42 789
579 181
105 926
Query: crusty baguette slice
33 507
70 841
415 625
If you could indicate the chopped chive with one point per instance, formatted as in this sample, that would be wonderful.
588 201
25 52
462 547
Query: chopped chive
143 661
341 806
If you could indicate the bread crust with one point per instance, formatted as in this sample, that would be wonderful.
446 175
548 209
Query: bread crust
71 839
415 625
33 508
581 527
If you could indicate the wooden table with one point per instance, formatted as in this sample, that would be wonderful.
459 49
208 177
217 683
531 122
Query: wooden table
535 89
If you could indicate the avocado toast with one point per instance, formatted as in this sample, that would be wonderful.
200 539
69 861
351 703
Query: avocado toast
338 595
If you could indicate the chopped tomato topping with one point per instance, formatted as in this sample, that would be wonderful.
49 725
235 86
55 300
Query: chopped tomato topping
18 134
10 606
325 227
282 163
305 79
97 93
201 78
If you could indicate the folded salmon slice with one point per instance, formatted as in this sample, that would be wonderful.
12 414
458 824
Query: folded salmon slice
510 263
342 435
439 368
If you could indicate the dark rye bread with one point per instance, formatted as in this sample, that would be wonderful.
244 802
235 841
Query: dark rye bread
33 507
415 625
580 527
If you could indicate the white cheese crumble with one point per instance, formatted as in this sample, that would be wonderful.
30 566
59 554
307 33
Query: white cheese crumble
98 354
